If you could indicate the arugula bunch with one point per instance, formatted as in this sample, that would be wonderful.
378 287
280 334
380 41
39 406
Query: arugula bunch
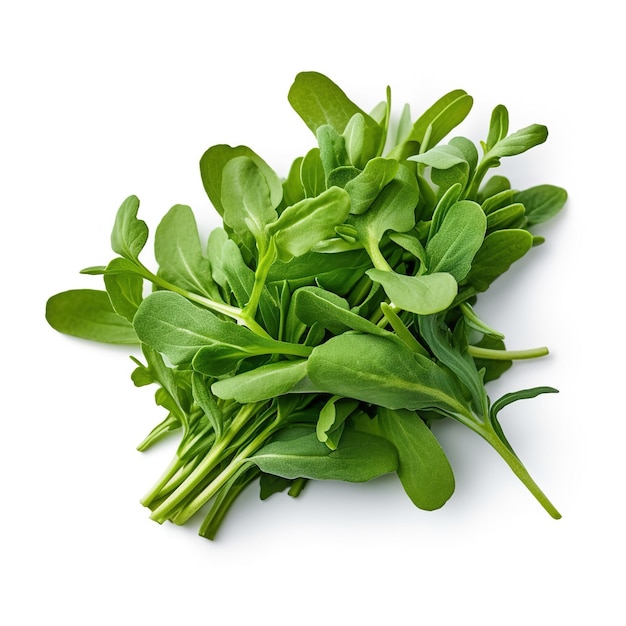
329 322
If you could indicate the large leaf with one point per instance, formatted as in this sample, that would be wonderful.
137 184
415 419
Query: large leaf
380 371
297 453
542 202
182 330
318 101
87 313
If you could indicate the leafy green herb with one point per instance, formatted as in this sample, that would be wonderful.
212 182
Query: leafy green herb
329 321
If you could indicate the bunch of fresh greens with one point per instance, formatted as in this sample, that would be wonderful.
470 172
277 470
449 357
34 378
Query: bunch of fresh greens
329 322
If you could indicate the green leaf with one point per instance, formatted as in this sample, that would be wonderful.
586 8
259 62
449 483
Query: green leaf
392 210
301 226
212 165
312 175
362 144
187 333
332 418
493 186
542 202
129 234
318 101
125 293
205 400
451 350
519 142
510 216
262 383
293 190
441 118
312 304
458 239
498 200
364 188
514 396
498 252
88 313
179 253
426 294
383 372
498 126
297 453
423 468
246 197
174 326
335 272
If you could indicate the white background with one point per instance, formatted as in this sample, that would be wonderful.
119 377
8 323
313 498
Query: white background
103 100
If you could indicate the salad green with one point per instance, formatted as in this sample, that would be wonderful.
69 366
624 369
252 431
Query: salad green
329 322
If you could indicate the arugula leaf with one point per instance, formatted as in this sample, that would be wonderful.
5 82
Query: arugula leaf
297 453
87 313
129 234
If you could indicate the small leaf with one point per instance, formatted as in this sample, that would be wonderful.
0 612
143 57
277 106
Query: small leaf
514 396
261 383
426 294
301 226
312 176
498 126
125 293
364 188
129 234
518 142
312 304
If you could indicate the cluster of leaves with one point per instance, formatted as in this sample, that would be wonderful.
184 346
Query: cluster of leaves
329 322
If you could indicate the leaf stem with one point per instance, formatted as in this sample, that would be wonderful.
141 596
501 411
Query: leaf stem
208 463
519 470
267 256
191 508
507 355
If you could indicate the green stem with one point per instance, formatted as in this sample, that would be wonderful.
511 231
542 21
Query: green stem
191 508
379 261
267 256
239 315
519 470
401 330
507 355
204 468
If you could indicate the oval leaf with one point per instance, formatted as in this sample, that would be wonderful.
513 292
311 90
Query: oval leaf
87 313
